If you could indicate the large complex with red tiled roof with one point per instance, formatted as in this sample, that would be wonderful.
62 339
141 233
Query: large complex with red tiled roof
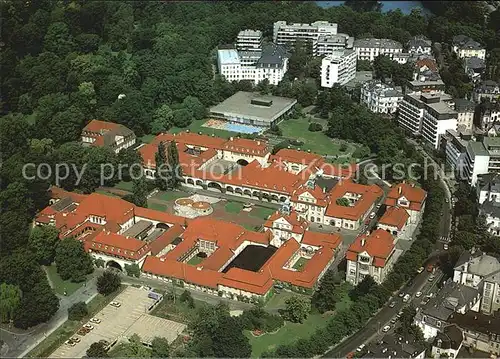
373 255
409 197
108 134
119 233
302 178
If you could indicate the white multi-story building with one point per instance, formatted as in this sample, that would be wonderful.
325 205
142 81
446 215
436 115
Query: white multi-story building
419 45
381 98
338 68
270 63
456 147
249 40
429 115
480 271
481 158
328 44
369 49
288 34
371 255
466 47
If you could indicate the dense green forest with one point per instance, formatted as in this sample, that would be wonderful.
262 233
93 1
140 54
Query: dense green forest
66 62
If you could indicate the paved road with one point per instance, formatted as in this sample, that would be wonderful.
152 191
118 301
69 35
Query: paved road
384 316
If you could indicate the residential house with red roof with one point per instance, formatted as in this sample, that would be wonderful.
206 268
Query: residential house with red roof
373 255
409 197
284 226
108 134
394 221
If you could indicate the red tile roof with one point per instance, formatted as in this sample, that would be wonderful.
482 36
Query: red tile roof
395 217
317 239
369 195
117 245
165 239
295 156
379 245
243 145
159 216
98 126
112 208
415 195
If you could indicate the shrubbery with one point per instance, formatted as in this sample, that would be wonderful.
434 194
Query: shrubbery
315 127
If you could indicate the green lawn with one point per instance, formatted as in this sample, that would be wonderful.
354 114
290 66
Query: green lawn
61 285
300 263
177 311
147 138
261 212
195 260
69 327
157 206
171 195
317 142
125 186
197 126
289 333
233 207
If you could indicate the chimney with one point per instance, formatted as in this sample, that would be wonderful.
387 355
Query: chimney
400 189
231 138
413 185
363 242
258 143
162 259
324 189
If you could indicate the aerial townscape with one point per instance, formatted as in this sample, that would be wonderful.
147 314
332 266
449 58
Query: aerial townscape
251 179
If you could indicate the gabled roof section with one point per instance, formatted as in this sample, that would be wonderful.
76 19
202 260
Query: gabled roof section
369 195
395 217
298 225
415 195
379 245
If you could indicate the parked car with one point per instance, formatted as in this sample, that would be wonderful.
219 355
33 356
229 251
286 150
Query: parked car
401 295
372 215
394 320
70 342
445 247
75 339
95 320
406 298
418 294
431 278
360 348
392 304
82 331
386 328
88 326
420 270
115 304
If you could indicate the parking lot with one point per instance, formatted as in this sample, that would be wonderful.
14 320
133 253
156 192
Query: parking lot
114 322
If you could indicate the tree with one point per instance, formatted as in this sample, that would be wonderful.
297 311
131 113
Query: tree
78 311
10 300
108 283
296 309
162 167
133 270
162 119
364 6
325 297
363 288
363 65
43 241
186 297
72 261
160 348
135 349
343 202
140 192
131 161
182 117
195 107
314 127
97 350
174 164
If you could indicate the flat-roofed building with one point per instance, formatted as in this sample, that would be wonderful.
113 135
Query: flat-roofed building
455 146
253 109
249 40
327 44
338 68
288 34
229 64
368 49
428 114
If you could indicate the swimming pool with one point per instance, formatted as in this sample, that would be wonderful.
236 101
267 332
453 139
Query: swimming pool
232 126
